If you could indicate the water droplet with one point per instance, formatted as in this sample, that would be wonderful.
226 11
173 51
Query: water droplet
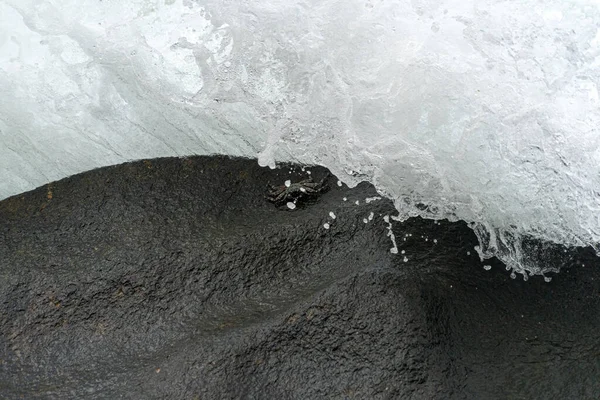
290 205
513 275
339 183
326 225
288 183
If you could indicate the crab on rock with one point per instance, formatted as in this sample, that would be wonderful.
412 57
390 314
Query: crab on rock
296 192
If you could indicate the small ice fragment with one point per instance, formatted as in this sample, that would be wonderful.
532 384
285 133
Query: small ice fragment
403 252
405 259
326 225
513 275
288 183
394 250
357 202
308 172
386 218
365 220
331 214
370 199
345 199
434 240
468 253
487 267
547 278
339 183
290 205
371 216
303 190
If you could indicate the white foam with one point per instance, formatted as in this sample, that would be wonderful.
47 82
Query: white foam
394 249
481 111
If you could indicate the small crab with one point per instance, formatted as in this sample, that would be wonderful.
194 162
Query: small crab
299 191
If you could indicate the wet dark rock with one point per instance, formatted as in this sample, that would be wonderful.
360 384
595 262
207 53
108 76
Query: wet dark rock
175 278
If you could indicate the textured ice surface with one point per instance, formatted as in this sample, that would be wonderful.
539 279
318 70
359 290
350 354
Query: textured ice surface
481 110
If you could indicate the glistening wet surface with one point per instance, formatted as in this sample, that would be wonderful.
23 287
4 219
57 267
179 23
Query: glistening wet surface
176 278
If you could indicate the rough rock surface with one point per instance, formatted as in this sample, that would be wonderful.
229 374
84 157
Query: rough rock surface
175 278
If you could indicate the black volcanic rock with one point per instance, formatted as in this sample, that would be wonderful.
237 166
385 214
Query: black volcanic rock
175 278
